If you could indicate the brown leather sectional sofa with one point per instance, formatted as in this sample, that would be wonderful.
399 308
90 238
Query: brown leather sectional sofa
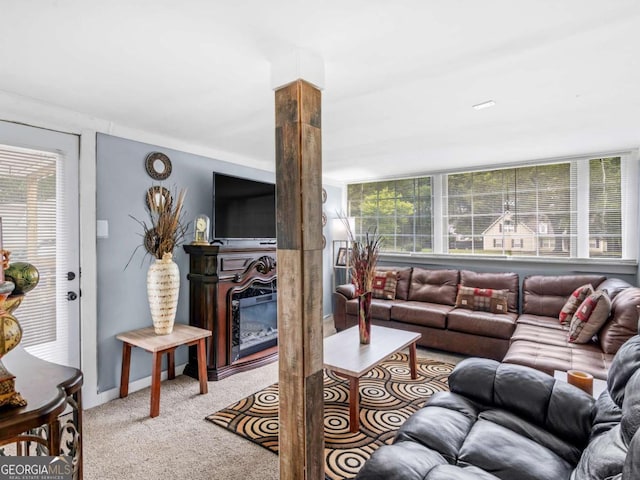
532 335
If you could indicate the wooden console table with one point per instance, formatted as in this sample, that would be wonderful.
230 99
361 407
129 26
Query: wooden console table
50 390
216 273
158 345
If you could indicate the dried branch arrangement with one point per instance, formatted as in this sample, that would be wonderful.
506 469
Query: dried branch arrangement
364 258
166 229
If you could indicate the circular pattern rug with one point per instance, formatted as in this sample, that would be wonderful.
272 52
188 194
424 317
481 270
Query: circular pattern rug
388 396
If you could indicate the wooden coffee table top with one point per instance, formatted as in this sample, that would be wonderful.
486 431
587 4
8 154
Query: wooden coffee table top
344 354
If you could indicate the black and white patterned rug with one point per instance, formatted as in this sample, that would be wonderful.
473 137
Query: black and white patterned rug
388 397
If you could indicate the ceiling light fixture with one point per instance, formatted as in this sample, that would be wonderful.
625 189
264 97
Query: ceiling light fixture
487 104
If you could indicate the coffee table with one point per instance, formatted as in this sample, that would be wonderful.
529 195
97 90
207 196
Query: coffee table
344 355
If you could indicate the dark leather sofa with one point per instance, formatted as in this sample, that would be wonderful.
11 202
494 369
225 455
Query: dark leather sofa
530 335
425 303
511 422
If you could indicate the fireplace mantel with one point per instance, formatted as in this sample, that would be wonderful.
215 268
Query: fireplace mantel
215 274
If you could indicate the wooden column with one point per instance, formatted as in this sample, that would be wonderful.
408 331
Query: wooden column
299 254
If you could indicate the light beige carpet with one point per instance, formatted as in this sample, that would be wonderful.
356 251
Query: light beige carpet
122 442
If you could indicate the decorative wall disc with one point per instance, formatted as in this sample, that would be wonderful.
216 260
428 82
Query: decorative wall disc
151 241
324 242
324 195
324 219
158 166
160 198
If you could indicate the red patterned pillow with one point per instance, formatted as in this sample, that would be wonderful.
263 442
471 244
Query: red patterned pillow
590 316
574 301
485 299
384 284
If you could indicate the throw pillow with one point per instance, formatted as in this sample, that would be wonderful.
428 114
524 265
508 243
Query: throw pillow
590 316
484 299
575 300
384 284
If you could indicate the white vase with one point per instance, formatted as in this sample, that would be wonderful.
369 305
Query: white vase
163 285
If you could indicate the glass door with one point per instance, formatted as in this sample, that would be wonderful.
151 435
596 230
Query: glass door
39 211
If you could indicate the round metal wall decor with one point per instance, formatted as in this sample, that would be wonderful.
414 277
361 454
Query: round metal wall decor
151 241
324 195
158 166
160 197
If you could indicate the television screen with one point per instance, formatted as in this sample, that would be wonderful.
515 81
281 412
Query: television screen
243 208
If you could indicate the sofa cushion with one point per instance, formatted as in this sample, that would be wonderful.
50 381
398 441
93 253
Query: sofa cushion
589 317
586 357
545 295
603 458
623 322
483 299
540 321
614 286
624 366
380 309
449 472
631 408
482 323
416 462
575 300
384 284
403 277
421 313
501 451
498 281
543 335
434 286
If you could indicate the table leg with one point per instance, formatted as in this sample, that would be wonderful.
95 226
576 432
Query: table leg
171 364
412 360
126 363
54 438
202 365
354 404
155 384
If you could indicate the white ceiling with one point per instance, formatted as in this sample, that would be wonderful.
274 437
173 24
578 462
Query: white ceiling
400 77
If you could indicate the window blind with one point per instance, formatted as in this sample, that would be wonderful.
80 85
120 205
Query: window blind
526 210
400 210
29 204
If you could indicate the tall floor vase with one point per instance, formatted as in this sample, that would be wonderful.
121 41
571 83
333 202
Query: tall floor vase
163 285
364 317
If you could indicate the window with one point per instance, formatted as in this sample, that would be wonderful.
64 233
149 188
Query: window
578 208
400 210
28 205
519 199
605 200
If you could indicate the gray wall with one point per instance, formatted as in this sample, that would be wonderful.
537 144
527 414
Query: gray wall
122 299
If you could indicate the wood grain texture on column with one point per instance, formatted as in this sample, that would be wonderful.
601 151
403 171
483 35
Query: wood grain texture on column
299 231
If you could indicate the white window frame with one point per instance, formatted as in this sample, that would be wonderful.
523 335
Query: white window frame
579 246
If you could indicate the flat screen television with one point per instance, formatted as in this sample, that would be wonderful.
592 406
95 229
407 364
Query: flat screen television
243 209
